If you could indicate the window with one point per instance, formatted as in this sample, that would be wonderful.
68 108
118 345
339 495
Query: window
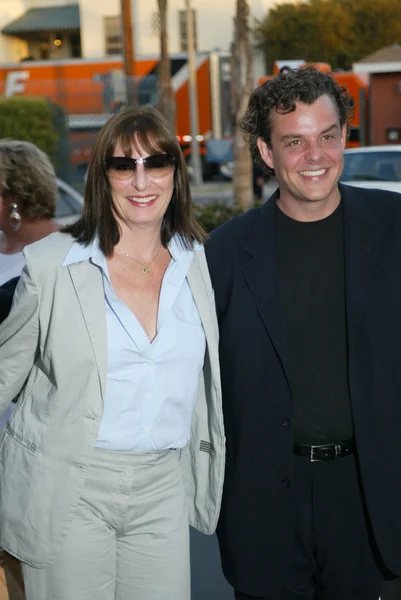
155 23
44 46
182 15
112 35
75 42
372 165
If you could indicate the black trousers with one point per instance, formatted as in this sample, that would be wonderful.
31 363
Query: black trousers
334 555
391 590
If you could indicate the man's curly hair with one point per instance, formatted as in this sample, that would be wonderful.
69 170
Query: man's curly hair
282 93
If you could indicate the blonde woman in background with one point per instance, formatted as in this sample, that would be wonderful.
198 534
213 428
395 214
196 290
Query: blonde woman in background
28 194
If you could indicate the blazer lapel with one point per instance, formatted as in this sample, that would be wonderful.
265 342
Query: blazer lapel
199 282
88 284
261 273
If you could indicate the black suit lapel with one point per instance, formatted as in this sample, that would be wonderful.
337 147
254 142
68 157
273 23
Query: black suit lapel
260 267
361 253
262 276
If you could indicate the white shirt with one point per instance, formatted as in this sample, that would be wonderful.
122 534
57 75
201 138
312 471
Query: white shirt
11 266
151 387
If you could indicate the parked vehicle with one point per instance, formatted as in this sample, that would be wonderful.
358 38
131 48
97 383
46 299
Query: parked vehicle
376 167
69 203
373 167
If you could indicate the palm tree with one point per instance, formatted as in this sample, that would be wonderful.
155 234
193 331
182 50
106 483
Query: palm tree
166 103
129 52
242 84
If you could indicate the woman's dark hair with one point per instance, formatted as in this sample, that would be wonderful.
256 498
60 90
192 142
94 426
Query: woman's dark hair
144 127
282 93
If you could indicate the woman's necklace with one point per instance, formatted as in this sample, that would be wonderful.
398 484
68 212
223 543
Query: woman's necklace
146 267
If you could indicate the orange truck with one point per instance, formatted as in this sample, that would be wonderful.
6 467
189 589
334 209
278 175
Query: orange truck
91 90
358 87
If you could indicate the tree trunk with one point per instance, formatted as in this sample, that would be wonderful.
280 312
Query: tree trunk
242 84
129 52
166 101
243 185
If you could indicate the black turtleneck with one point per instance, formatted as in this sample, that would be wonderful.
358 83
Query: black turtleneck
312 273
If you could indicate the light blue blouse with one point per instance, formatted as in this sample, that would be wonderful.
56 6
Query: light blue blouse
151 386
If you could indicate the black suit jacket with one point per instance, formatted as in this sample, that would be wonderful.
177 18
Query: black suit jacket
6 297
255 526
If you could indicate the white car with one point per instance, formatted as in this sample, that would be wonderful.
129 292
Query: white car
377 167
69 203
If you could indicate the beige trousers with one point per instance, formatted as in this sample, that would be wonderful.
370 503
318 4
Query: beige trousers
129 539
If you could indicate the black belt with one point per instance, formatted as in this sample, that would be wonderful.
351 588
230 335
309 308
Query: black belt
325 451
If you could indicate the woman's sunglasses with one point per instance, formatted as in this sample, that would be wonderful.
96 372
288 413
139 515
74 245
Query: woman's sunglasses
123 167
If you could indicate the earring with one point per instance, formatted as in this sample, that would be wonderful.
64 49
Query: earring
14 218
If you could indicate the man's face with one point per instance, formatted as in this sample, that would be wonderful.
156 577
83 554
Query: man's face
306 153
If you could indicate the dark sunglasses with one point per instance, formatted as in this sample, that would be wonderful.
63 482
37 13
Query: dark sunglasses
123 167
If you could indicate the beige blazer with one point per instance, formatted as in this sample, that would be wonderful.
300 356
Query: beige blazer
53 357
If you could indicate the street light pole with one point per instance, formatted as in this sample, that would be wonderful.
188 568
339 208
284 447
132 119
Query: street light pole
129 52
193 98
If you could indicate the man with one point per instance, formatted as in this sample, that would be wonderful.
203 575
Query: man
308 291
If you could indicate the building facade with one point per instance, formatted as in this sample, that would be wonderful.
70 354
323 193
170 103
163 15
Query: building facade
39 30
70 52
91 29
384 70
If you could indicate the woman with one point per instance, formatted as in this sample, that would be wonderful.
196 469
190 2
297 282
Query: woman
28 194
112 347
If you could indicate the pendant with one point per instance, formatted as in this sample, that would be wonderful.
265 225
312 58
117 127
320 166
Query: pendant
146 270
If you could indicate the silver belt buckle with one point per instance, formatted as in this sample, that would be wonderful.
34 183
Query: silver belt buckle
337 450
312 455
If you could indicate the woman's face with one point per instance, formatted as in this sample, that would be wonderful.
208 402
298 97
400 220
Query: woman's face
143 195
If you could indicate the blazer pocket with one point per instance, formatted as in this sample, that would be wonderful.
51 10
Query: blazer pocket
18 439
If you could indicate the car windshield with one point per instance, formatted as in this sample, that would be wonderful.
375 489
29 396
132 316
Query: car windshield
372 166
66 204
